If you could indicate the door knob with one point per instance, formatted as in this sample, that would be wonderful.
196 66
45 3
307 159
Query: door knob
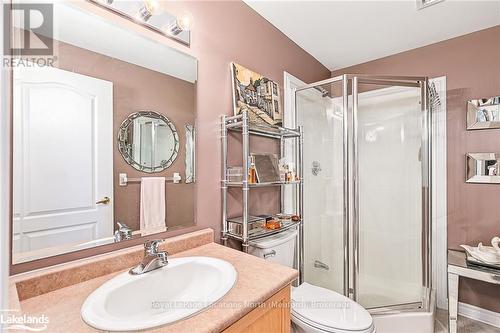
103 201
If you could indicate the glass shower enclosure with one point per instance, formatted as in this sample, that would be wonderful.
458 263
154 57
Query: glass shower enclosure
366 158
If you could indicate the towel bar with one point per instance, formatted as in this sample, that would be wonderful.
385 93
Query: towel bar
124 180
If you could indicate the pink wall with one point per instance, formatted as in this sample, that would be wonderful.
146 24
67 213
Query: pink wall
224 31
471 64
230 31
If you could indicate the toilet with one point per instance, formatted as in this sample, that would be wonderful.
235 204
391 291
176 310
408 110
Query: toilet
314 309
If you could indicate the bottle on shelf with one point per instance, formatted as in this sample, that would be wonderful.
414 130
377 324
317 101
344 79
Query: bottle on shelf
282 170
291 172
252 174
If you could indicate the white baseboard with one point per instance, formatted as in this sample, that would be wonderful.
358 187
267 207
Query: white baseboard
479 314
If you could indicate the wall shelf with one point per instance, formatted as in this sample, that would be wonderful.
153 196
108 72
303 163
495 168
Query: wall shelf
271 131
270 184
241 124
261 233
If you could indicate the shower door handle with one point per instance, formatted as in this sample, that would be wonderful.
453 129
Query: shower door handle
319 264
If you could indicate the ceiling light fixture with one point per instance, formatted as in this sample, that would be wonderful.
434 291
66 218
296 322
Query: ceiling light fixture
154 15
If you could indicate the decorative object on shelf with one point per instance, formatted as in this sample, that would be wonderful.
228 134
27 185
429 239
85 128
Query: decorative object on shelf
260 226
234 174
273 224
495 242
266 167
483 168
483 113
257 94
252 172
485 254
148 141
153 15
291 217
290 175
255 224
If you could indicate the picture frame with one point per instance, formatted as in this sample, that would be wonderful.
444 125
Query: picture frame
483 113
257 94
482 168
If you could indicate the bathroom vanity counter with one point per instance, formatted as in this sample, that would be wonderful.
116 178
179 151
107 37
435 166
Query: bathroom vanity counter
257 282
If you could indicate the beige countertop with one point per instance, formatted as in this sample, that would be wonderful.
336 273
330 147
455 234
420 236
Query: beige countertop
257 281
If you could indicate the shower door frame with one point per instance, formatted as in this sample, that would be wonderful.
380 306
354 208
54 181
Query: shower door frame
351 184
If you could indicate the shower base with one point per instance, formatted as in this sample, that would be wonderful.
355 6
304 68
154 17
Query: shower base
407 322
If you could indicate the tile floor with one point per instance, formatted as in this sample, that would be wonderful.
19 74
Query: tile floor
465 325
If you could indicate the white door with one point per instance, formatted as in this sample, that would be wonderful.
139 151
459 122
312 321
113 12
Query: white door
62 158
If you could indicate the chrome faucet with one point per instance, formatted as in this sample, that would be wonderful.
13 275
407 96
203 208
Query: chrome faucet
124 232
152 258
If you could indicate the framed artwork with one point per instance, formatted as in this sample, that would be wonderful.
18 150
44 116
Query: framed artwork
483 113
483 168
257 94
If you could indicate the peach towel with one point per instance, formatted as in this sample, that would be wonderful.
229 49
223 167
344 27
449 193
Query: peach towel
152 213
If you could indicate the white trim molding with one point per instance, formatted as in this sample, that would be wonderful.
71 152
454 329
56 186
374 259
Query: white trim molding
4 178
479 314
439 192
291 83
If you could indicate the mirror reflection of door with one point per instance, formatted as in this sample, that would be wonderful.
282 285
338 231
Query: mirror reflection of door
62 159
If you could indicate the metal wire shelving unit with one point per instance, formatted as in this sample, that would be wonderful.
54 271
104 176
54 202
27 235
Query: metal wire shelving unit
241 123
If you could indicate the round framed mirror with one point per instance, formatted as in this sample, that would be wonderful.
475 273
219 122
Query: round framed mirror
148 141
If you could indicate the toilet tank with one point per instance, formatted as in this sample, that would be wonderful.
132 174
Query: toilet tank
279 248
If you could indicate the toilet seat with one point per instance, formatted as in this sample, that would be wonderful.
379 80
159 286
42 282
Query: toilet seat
328 311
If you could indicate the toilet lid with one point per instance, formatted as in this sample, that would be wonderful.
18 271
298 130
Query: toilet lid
328 310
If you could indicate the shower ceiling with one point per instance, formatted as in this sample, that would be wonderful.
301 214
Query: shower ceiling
345 33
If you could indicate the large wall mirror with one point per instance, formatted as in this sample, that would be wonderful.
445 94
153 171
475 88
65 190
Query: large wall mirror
112 102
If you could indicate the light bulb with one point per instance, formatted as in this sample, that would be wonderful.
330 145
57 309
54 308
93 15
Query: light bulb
185 21
150 8
182 23
153 6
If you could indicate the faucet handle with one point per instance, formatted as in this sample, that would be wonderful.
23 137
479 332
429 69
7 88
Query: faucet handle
152 245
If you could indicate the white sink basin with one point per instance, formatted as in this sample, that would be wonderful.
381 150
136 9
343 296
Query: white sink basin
174 292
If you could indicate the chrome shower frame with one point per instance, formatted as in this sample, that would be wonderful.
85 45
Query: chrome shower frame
351 184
